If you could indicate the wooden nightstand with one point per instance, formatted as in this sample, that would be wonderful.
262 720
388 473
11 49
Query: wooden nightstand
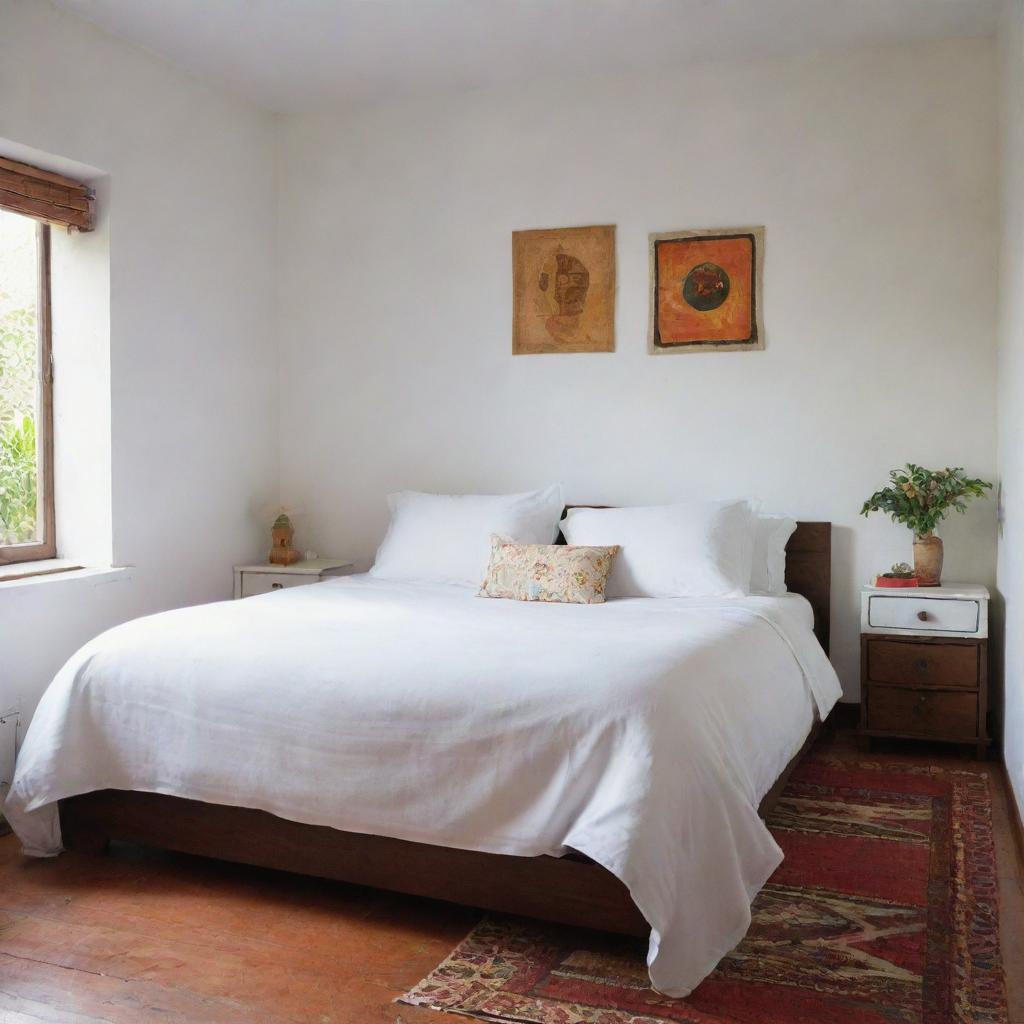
251 580
924 664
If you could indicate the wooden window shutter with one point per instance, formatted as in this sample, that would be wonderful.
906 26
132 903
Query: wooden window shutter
45 196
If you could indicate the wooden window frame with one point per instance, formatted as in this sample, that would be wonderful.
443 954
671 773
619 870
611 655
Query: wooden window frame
47 547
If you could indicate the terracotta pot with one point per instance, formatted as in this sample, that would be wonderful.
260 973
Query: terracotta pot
928 559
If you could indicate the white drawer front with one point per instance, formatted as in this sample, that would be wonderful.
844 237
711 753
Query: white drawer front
923 614
254 583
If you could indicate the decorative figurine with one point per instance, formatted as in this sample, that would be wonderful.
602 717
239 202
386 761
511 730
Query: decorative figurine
281 533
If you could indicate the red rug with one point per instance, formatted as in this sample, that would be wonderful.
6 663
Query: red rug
885 911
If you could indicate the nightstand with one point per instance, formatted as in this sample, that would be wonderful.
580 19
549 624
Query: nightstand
924 664
251 580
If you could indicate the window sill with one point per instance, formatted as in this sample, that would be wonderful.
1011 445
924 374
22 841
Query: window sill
56 570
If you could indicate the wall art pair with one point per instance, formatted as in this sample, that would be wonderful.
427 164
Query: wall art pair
705 290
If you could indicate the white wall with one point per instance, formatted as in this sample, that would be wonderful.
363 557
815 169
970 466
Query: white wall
187 240
80 315
1011 392
874 174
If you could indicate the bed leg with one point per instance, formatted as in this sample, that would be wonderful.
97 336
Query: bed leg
80 834
87 840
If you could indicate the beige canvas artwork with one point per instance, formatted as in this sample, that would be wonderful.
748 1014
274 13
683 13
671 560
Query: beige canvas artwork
563 290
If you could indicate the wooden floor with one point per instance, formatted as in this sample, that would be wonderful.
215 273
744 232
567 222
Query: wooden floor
140 936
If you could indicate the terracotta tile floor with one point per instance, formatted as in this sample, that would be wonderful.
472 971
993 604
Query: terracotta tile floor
139 935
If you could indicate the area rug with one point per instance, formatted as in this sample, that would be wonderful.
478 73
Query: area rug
885 911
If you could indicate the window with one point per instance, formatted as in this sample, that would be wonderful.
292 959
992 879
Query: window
26 405
31 200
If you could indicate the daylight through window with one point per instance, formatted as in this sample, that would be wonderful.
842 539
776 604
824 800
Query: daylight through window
26 493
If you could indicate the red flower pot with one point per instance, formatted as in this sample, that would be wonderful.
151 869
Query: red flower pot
895 581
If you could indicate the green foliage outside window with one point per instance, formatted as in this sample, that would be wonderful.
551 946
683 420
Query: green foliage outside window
18 465
19 361
18 480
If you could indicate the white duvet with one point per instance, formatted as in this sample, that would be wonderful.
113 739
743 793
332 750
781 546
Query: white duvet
642 733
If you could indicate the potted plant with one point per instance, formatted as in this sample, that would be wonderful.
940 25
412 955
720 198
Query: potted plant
900 575
921 498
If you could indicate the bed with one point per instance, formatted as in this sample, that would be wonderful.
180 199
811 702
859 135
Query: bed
581 764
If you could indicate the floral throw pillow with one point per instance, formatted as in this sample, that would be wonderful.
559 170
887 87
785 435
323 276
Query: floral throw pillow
568 574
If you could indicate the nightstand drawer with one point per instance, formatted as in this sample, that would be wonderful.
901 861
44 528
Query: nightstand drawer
924 614
265 577
254 583
905 663
922 712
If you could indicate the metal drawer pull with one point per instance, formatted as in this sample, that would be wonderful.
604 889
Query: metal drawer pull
276 586
922 615
921 665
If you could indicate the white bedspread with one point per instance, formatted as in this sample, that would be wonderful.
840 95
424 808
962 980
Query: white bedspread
642 733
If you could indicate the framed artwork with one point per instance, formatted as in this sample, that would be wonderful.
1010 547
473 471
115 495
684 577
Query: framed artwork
706 290
563 290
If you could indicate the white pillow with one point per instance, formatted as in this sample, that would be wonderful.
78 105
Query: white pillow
444 538
691 549
771 535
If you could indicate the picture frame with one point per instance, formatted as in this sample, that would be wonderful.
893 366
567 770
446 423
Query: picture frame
563 290
706 290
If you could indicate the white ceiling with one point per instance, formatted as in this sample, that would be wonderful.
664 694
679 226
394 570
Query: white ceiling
294 55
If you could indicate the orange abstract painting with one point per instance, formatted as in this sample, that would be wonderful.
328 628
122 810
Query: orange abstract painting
705 290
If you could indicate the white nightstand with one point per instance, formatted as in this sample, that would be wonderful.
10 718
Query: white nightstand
954 609
251 580
924 664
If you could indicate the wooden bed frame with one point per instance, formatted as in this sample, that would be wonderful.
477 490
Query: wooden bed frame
570 889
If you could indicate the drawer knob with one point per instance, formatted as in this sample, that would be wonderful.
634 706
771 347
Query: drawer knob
276 586
922 615
921 665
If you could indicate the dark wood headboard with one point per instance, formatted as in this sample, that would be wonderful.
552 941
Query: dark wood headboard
808 570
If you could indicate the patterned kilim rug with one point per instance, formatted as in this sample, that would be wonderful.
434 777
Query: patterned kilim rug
885 911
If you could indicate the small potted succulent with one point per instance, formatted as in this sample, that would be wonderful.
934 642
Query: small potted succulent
900 575
921 498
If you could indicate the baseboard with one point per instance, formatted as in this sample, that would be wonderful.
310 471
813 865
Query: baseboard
1016 823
